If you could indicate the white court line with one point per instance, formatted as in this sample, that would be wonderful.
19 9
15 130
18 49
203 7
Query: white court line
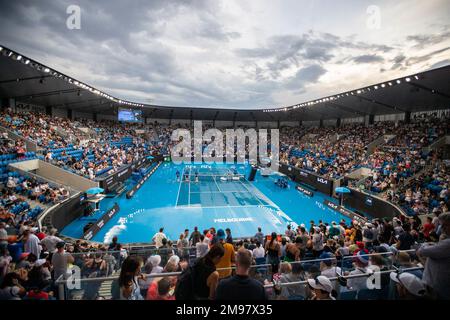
214 178
219 207
179 188
222 191
189 192
253 194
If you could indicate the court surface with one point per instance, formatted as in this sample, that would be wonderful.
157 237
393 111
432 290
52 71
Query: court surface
221 197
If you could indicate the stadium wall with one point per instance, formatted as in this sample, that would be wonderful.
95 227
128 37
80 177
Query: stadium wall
302 176
64 213
372 205
30 145
224 124
56 174
83 115
59 112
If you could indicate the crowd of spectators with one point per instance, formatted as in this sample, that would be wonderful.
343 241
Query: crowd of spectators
320 261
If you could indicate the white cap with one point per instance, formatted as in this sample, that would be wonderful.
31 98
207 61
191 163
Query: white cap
322 283
410 282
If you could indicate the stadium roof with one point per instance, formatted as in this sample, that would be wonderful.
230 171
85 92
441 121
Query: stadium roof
29 81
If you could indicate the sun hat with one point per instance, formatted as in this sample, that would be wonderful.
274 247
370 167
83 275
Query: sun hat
410 282
321 283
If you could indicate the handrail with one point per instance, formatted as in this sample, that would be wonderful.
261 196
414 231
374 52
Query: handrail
233 267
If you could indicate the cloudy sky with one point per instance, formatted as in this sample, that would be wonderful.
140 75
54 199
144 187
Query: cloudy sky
231 53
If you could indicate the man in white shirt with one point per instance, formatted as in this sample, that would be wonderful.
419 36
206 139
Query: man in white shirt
361 263
202 247
158 237
327 269
51 240
259 251
32 243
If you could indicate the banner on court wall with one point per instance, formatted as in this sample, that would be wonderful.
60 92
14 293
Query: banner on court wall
96 227
305 191
346 212
109 181
315 181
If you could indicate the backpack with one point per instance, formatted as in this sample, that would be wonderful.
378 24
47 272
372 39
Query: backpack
185 285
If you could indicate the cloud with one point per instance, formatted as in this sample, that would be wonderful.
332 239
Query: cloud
305 76
368 58
215 53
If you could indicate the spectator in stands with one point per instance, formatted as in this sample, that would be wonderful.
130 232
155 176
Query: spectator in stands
128 283
259 236
259 251
160 289
297 291
228 259
229 238
51 240
427 228
317 242
292 252
409 287
31 242
155 261
114 245
289 233
241 286
10 288
273 252
437 266
3 237
204 274
405 239
194 237
322 288
183 247
328 267
60 260
158 238
361 261
201 247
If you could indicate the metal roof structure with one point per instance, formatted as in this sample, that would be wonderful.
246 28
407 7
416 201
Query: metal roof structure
29 81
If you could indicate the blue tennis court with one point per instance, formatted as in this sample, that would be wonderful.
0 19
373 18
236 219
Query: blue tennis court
216 195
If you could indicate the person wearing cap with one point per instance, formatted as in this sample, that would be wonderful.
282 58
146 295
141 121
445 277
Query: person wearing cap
60 260
409 287
361 261
436 274
228 259
241 286
327 269
322 288
368 234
